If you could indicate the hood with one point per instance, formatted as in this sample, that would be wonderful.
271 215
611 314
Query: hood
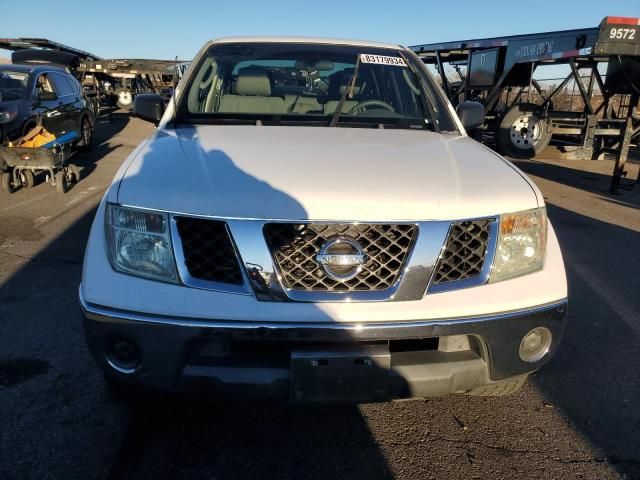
321 173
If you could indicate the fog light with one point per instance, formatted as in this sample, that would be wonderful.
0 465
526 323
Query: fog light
535 344
123 355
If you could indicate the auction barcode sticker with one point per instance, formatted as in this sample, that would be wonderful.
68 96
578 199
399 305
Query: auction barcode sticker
382 60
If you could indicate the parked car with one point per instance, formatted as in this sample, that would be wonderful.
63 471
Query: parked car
31 95
311 222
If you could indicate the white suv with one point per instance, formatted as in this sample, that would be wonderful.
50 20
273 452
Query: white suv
310 222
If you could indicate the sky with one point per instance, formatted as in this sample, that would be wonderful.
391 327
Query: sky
163 29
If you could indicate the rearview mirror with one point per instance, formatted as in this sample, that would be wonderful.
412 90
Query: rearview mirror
471 114
149 107
47 96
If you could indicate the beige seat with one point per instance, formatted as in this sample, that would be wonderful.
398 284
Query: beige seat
253 95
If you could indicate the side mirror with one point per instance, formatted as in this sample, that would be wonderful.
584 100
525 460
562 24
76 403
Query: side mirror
471 114
149 107
47 96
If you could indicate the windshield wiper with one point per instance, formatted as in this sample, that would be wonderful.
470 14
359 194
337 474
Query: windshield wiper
349 90
427 103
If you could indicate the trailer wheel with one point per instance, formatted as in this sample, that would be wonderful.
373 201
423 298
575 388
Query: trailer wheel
74 172
7 184
62 186
124 98
524 132
27 178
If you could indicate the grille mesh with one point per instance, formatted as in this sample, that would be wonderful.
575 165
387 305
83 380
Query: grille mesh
295 246
464 252
208 252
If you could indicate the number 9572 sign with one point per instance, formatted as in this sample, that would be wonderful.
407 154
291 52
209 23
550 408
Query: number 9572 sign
622 33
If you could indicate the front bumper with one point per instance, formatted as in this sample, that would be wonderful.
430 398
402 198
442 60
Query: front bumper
268 359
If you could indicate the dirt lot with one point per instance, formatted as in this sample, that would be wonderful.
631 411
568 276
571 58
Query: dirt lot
577 418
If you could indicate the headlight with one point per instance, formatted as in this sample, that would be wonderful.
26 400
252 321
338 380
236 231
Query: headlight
139 243
8 116
522 241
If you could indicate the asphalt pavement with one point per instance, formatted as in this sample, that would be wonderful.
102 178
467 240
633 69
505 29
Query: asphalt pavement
576 418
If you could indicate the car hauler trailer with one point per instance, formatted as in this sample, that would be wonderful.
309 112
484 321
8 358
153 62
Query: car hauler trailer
500 73
44 51
135 76
105 81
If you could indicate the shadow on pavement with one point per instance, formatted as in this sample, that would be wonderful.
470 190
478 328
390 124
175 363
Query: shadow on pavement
185 439
594 378
106 127
62 423
589 181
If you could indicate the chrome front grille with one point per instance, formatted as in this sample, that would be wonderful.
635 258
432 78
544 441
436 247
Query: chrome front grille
294 248
465 251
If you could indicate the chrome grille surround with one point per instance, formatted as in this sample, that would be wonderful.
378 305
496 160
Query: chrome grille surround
295 246
467 255
206 256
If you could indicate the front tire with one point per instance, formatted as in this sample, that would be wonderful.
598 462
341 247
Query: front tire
74 172
500 389
62 185
7 184
28 178
524 131
86 134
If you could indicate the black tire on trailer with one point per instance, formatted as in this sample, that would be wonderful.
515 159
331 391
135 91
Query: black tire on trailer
86 134
28 178
74 171
524 131
62 186
7 185
500 389
124 98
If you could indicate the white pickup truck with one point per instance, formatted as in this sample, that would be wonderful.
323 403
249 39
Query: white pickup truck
311 222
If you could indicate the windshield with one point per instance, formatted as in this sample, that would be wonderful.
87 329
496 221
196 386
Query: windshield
307 83
13 85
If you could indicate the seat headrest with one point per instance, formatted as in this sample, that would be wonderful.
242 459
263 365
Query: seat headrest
356 89
345 81
253 82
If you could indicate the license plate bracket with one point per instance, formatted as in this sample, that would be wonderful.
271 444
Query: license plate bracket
340 374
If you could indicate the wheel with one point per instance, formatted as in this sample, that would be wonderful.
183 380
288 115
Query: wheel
86 134
7 184
500 389
524 132
125 98
74 172
27 178
62 186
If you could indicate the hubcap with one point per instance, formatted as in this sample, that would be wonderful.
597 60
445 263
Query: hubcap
125 98
525 131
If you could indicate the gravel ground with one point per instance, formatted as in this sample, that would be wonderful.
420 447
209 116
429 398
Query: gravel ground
577 418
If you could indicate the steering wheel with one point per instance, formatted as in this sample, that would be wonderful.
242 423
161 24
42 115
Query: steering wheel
362 106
